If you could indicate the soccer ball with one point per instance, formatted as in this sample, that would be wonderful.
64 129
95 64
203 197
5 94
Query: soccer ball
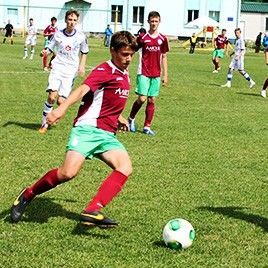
178 234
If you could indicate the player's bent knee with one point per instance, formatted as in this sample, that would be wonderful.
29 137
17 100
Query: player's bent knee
126 169
142 99
66 175
151 100
51 99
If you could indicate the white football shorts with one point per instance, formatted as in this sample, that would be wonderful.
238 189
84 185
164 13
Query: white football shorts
30 40
60 82
237 64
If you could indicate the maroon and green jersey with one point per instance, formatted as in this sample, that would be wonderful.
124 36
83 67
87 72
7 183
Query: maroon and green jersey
221 41
151 52
103 104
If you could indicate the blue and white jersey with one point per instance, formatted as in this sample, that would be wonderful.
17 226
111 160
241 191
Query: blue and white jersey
32 31
68 48
240 47
237 62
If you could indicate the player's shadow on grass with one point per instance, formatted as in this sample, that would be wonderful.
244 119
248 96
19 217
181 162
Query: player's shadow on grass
23 125
40 210
236 213
85 231
249 94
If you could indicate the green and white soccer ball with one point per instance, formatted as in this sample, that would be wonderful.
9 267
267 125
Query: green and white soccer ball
178 234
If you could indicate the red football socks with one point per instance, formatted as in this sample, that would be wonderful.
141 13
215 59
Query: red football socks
46 183
107 191
149 114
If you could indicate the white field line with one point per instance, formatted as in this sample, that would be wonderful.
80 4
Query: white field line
88 68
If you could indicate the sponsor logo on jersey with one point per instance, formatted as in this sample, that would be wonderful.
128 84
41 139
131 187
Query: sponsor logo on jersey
123 93
153 48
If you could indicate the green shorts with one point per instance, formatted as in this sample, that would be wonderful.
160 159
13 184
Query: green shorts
148 86
91 141
218 53
46 42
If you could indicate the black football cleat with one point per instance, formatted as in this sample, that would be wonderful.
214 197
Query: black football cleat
97 219
19 207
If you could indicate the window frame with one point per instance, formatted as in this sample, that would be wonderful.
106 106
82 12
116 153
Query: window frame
139 17
119 9
217 15
192 14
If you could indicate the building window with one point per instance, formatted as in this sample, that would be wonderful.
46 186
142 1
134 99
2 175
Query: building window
138 15
192 15
117 13
266 24
12 11
215 15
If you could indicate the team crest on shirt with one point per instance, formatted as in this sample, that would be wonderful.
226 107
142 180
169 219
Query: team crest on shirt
68 48
160 42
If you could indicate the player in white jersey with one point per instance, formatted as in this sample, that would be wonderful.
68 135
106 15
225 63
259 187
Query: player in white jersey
30 39
69 43
237 62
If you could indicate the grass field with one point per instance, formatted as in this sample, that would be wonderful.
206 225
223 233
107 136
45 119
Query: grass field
207 164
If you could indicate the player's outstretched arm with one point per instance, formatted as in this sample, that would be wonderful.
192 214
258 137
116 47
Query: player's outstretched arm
59 112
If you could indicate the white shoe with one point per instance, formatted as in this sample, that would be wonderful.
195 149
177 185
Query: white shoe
263 93
218 68
46 69
132 125
31 58
215 72
228 84
251 84
25 57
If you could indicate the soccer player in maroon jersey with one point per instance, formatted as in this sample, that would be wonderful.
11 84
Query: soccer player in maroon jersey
48 34
220 44
154 47
104 94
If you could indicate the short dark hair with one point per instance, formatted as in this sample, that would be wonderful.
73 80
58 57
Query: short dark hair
53 18
71 11
153 14
223 30
123 39
237 29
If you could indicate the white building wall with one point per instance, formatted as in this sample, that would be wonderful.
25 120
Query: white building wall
252 24
173 14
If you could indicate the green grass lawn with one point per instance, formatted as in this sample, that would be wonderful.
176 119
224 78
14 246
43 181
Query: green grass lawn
207 164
